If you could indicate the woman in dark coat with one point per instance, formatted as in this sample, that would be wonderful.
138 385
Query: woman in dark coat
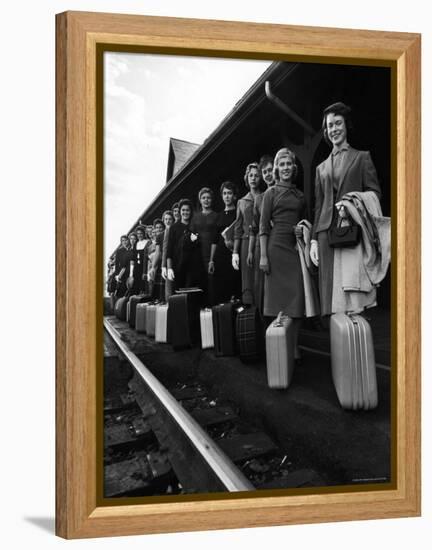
203 225
345 170
181 250
227 279
283 207
242 232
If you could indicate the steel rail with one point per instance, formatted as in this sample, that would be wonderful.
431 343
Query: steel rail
219 463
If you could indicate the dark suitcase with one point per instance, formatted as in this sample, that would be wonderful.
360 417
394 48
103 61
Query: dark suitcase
133 302
184 319
120 308
224 328
249 334
353 361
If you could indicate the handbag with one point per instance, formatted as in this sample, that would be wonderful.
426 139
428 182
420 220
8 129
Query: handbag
343 236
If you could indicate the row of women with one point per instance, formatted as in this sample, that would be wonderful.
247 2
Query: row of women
249 249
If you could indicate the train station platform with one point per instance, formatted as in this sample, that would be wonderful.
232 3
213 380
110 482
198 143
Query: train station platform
341 447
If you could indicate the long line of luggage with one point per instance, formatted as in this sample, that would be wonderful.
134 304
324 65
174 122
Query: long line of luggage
236 329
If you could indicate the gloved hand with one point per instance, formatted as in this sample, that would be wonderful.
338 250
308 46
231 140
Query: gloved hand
164 273
314 255
235 261
170 274
341 210
264 265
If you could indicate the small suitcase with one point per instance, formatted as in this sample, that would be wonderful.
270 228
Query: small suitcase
224 328
151 320
184 319
132 304
280 352
161 323
206 324
353 361
141 317
120 308
249 334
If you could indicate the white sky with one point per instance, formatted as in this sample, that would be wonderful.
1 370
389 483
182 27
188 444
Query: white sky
148 99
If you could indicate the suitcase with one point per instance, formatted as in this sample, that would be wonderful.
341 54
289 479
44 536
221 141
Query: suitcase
353 361
224 328
206 324
184 319
161 323
151 320
120 308
131 307
141 317
280 352
249 334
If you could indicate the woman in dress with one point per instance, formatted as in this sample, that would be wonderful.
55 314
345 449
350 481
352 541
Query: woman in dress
161 248
242 232
345 170
227 280
155 257
266 170
139 262
283 206
181 249
203 226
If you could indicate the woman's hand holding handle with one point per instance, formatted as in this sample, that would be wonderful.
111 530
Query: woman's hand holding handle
235 261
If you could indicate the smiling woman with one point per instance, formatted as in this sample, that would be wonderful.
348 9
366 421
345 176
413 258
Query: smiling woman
345 170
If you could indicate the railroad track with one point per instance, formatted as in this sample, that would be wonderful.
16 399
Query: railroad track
182 440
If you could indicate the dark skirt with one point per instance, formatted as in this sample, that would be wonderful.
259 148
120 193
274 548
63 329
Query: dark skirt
227 281
283 287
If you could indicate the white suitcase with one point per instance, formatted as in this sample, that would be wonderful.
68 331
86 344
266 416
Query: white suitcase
280 352
161 323
206 324
353 361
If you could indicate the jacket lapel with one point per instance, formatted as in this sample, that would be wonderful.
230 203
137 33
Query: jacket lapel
349 159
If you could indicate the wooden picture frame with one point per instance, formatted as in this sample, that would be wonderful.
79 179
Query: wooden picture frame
78 267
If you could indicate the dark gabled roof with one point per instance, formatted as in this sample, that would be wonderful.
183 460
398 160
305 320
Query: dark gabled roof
179 153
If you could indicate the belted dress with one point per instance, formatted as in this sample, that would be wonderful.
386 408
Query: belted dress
283 207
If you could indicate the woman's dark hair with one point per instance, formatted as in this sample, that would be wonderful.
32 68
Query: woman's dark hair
185 202
123 237
338 108
229 185
265 159
157 221
175 205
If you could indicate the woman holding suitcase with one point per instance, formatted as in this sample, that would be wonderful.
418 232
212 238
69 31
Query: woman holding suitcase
181 249
242 232
266 170
203 226
344 171
227 279
283 206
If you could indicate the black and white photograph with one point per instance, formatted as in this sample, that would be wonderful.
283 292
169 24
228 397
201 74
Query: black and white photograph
247 276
